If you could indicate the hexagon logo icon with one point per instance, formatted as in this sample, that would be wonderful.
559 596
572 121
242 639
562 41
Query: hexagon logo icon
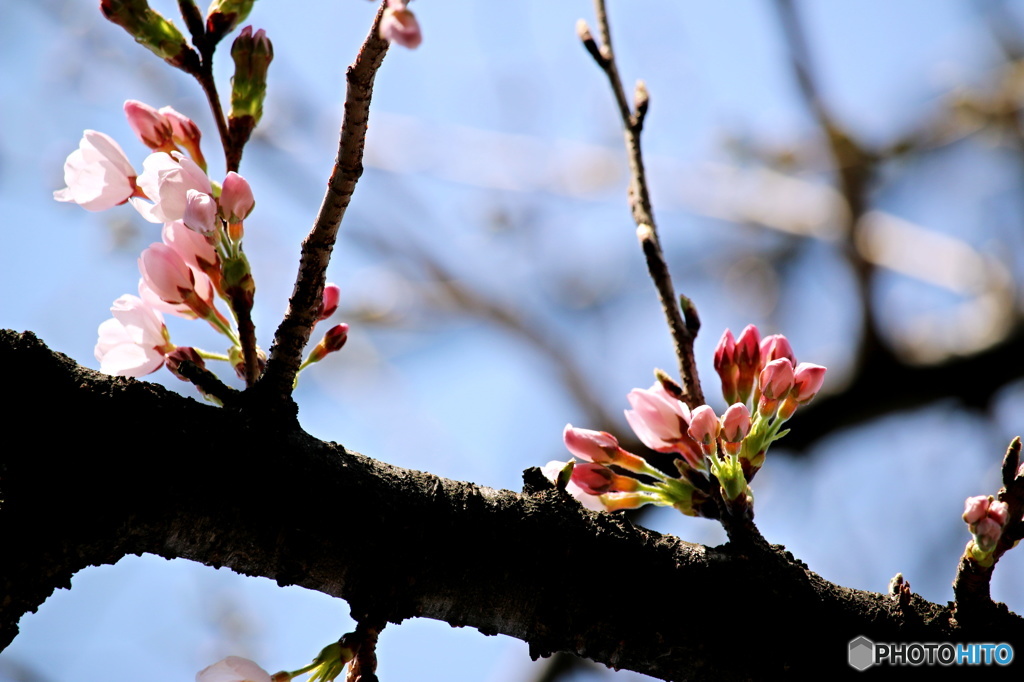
862 653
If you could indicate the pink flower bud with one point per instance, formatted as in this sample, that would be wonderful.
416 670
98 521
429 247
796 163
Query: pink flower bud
998 511
591 446
735 423
329 303
658 419
98 174
807 381
150 126
725 365
333 340
747 346
166 274
200 213
236 200
336 337
975 509
775 347
179 355
777 379
704 427
399 25
594 479
748 361
725 351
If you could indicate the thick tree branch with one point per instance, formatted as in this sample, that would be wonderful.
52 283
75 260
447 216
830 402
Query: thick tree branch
181 479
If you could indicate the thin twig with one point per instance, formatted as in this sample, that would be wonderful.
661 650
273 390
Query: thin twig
683 335
232 157
247 337
304 305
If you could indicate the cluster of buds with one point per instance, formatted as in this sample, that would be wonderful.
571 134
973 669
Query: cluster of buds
199 257
986 517
714 456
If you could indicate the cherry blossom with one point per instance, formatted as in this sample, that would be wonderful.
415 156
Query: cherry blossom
166 179
98 174
658 419
200 213
135 341
166 273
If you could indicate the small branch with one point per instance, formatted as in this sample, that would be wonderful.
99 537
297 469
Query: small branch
640 204
363 641
207 382
203 73
205 78
972 583
304 305
247 336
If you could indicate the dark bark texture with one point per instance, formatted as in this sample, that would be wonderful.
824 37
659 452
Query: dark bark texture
94 468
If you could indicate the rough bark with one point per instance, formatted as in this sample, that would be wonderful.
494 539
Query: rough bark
95 468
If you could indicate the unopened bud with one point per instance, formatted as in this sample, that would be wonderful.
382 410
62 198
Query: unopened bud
329 302
725 365
236 200
334 340
641 100
735 427
775 347
224 16
181 354
150 29
150 125
776 379
704 428
807 381
747 357
252 53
